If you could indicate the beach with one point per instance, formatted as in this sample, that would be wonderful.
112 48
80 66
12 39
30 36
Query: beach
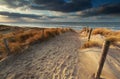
61 57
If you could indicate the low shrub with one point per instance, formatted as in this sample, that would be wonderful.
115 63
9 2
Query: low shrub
101 31
113 39
20 38
89 44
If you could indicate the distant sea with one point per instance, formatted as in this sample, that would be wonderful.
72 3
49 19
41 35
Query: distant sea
74 25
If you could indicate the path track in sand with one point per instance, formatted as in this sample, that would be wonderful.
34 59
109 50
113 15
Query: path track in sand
56 58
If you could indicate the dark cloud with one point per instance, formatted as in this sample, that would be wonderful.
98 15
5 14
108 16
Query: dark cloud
30 16
60 5
56 5
19 15
97 3
86 6
15 3
110 9
64 5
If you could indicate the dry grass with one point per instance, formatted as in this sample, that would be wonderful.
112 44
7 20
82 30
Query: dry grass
101 31
111 35
113 39
89 44
84 32
85 29
108 33
105 32
21 38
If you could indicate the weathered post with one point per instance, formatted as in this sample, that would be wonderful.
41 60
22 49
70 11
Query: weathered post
6 46
103 57
87 30
43 33
89 35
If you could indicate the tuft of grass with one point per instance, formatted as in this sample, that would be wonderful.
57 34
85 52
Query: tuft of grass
24 37
90 44
15 47
113 36
113 39
105 32
102 31
1 35
85 29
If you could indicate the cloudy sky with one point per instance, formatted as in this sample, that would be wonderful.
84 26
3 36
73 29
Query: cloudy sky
59 10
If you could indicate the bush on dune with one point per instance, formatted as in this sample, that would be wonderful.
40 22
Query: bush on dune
101 31
22 38
113 39
111 35
89 44
15 47
105 32
85 29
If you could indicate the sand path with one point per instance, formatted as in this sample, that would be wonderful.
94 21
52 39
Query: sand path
60 58
56 58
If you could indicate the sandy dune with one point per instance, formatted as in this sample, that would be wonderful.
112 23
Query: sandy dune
90 57
54 59
59 58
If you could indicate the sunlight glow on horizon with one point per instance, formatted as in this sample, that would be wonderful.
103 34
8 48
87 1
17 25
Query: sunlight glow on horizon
5 19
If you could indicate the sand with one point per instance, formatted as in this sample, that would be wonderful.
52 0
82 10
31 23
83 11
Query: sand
56 58
60 58
90 58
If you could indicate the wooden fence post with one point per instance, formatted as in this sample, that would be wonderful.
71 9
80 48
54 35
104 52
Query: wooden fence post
89 35
87 30
43 33
6 46
103 57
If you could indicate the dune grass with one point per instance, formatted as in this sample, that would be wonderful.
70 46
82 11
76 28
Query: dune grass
90 44
20 39
112 35
102 31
